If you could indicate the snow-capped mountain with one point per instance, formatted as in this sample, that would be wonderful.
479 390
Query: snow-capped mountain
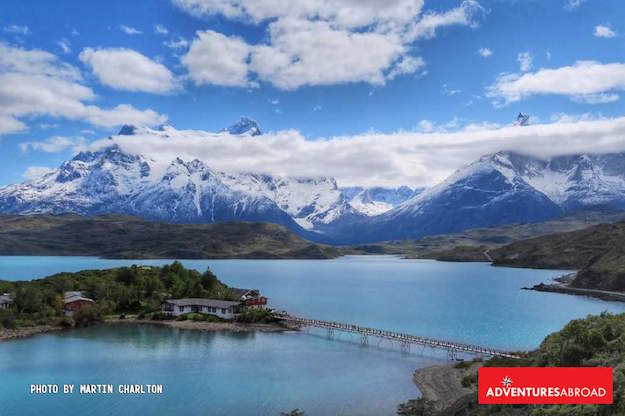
377 200
309 201
504 188
497 189
111 181
245 126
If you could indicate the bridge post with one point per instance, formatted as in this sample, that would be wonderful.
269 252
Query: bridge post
364 340
330 332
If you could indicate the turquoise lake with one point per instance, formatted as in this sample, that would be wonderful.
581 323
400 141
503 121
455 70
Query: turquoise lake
265 374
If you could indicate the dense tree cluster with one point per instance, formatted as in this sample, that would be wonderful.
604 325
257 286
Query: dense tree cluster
133 289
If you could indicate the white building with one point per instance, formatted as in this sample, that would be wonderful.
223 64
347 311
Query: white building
220 308
5 301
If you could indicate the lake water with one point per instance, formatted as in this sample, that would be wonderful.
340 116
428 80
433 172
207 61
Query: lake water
260 374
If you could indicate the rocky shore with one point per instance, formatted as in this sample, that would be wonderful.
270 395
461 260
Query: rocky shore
6 333
205 326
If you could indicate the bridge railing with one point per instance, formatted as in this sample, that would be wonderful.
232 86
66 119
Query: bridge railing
400 336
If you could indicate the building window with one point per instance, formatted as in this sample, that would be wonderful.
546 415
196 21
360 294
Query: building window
181 308
223 311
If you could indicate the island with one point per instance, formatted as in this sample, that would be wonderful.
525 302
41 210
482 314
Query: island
170 295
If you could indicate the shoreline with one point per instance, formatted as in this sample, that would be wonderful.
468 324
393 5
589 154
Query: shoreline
25 332
441 384
563 288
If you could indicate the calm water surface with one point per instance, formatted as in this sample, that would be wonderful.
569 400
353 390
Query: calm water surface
270 373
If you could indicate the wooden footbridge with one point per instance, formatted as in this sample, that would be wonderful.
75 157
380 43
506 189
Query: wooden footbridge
404 340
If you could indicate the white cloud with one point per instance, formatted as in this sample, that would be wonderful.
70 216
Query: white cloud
584 81
126 69
274 101
324 42
317 108
602 98
54 144
604 31
413 158
35 172
129 30
65 45
573 5
406 65
426 126
36 83
217 59
160 29
17 29
449 92
179 43
464 15
485 52
525 60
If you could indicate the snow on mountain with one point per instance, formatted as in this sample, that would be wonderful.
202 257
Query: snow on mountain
309 201
377 200
245 126
497 189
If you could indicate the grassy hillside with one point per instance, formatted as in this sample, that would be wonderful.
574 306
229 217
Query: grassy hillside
597 341
115 236
471 244
598 252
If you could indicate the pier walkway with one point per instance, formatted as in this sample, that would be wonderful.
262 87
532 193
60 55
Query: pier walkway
403 339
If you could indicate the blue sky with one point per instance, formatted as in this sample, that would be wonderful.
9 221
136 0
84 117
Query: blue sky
200 64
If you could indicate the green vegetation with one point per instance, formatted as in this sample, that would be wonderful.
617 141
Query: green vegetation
135 289
117 236
260 316
597 341
598 252
470 245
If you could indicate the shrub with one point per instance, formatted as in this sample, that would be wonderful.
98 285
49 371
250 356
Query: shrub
87 315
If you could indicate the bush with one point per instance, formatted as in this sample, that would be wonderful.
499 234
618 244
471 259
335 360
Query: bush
257 316
7 320
468 380
181 318
87 315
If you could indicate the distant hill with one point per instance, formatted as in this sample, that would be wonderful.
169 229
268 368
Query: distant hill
470 245
116 236
598 252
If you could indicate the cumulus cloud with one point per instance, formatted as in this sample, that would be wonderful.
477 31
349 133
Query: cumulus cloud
55 144
604 31
317 43
587 81
413 158
126 69
178 43
129 30
36 83
217 59
485 52
35 172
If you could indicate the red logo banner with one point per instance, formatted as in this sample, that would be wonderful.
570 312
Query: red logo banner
545 385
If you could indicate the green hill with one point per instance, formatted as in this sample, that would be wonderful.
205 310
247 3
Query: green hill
116 236
598 252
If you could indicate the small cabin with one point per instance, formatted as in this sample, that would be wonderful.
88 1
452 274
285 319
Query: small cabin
74 301
220 308
5 301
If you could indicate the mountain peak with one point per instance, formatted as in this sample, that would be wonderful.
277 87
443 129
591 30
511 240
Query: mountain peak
245 126
127 130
